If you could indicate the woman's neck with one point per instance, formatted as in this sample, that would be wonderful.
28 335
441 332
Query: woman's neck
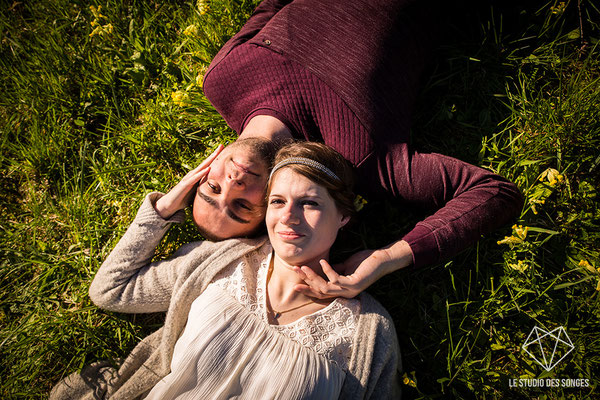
283 279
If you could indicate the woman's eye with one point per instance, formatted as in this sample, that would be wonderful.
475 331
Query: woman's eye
310 203
276 201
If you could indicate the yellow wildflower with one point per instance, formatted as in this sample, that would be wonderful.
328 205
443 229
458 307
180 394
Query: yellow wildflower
520 231
559 8
203 7
511 240
200 79
598 286
407 381
586 265
534 203
359 202
552 176
179 98
102 30
97 12
191 30
97 31
200 76
520 266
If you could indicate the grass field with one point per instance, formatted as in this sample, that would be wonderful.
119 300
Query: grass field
101 102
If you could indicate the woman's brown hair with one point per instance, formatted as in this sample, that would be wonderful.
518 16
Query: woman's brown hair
339 189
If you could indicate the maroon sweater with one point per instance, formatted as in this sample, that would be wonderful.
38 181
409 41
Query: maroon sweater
346 73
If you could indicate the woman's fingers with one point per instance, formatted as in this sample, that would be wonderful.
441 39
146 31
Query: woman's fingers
198 177
208 160
181 195
201 171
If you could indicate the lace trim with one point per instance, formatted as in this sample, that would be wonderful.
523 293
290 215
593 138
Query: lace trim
328 332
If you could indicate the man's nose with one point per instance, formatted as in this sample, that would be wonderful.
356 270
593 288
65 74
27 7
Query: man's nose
235 179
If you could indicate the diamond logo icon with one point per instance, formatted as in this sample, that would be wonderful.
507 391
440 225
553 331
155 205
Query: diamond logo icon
548 348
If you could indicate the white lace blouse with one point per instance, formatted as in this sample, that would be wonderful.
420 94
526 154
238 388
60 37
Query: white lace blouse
229 350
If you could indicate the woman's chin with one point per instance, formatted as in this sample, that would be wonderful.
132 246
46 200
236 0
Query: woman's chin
293 259
300 259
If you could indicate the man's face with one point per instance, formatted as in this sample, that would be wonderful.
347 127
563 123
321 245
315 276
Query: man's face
230 201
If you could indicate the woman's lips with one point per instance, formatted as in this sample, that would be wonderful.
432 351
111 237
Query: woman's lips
290 235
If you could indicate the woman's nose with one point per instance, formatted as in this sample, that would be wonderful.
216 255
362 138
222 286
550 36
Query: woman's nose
288 216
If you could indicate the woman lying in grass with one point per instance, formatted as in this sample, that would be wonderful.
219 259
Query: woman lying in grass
235 326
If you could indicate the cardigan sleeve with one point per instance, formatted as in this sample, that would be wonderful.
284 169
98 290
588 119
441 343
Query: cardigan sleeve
468 201
375 365
128 281
384 380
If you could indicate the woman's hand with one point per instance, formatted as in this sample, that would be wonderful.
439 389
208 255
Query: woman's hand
181 195
359 272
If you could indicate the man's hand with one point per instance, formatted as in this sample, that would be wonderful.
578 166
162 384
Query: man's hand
181 195
359 272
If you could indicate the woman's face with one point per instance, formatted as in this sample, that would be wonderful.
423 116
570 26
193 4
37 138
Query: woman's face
302 219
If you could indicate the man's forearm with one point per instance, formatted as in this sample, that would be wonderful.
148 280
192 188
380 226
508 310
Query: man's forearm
399 255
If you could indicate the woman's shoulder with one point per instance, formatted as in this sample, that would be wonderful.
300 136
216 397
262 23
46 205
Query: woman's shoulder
243 246
205 259
373 314
371 305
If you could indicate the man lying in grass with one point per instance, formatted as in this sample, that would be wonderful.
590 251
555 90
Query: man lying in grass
310 70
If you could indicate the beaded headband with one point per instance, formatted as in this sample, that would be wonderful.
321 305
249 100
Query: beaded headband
304 161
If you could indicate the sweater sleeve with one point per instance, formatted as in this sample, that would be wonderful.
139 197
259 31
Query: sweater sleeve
375 364
384 380
127 281
468 201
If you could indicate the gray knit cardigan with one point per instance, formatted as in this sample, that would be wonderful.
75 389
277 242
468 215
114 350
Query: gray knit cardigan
129 282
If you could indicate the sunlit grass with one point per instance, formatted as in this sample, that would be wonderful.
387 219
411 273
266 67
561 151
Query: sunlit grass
102 105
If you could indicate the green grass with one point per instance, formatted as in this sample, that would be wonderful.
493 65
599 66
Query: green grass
89 124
